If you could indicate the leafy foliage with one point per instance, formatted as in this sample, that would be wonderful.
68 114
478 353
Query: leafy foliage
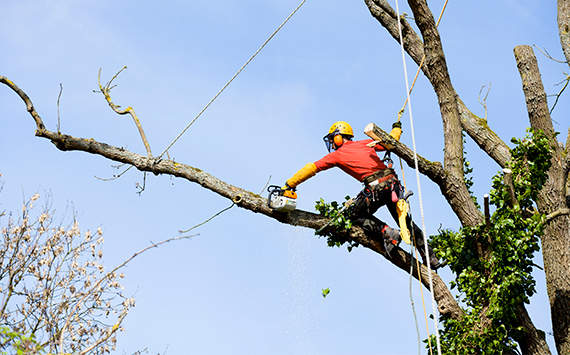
12 342
340 221
493 265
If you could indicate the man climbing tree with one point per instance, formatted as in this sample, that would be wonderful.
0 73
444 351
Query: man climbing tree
549 196
381 185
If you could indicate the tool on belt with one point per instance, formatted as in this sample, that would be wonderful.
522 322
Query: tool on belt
387 179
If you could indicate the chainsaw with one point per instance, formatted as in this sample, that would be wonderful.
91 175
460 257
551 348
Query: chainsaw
281 200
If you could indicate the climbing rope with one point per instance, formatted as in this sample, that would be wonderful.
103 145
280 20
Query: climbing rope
421 62
408 100
232 79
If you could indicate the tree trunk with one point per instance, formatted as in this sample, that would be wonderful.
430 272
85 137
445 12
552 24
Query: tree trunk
564 27
453 112
552 198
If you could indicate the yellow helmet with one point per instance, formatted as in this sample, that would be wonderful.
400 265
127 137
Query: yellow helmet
338 131
342 127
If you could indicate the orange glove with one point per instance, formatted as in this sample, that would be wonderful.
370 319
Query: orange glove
303 174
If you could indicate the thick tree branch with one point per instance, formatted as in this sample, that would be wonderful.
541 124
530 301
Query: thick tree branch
388 18
535 96
475 127
241 197
441 82
533 341
478 129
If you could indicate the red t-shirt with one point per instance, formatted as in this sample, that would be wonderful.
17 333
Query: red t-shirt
354 158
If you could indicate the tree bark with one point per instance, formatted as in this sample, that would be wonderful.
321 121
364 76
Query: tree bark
533 341
564 27
556 239
441 82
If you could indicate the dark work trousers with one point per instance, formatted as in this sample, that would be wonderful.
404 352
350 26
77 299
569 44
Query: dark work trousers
369 201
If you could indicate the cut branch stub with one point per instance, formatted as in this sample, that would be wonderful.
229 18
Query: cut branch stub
487 212
508 179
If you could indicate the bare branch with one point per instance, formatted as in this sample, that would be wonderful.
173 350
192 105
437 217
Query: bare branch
561 212
565 81
388 18
112 330
58 118
208 220
478 129
98 283
546 54
106 91
533 88
484 103
29 106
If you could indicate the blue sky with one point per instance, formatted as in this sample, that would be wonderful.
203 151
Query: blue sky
248 284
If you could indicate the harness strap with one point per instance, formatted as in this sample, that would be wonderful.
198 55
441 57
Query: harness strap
380 175
381 179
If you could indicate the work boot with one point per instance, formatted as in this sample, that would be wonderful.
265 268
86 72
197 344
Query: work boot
391 238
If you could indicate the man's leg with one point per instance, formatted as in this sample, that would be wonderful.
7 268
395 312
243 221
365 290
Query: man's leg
374 227
418 238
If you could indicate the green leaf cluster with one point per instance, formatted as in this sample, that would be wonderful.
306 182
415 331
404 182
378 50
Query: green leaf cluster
13 342
493 265
340 222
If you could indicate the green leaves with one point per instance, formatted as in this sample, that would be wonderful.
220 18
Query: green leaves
340 222
326 291
16 343
493 265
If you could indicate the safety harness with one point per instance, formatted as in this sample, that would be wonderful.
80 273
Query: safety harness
376 183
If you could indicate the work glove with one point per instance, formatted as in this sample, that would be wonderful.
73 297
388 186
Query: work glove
396 130
303 174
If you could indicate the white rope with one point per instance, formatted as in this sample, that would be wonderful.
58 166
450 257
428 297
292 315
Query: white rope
418 180
232 79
